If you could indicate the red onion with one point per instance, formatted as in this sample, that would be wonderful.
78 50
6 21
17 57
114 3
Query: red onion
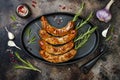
104 14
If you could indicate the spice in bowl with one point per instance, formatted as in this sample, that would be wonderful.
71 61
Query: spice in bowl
23 10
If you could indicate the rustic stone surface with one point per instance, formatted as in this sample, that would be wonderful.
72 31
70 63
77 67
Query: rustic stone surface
107 68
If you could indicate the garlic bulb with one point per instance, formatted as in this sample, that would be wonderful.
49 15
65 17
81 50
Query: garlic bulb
10 35
12 44
104 14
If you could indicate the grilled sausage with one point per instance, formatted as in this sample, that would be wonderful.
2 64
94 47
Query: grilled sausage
55 31
56 50
57 40
59 58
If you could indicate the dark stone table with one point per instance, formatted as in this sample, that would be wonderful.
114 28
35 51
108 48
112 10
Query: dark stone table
107 68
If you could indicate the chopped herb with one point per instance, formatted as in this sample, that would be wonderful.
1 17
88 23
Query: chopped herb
26 64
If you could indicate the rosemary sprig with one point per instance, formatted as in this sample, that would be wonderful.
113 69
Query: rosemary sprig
28 32
89 31
13 18
82 42
78 13
83 38
32 40
85 21
26 64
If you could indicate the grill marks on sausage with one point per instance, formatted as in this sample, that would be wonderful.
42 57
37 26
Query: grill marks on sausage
57 40
57 43
55 31
59 58
59 50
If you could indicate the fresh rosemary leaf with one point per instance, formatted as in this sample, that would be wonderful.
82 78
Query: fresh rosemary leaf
18 56
78 13
82 42
108 38
26 64
28 32
22 67
81 36
84 22
32 40
13 18
89 31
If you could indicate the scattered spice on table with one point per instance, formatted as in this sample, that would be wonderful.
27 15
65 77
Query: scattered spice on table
58 20
63 7
11 56
34 3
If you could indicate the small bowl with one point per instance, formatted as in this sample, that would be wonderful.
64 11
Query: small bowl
23 11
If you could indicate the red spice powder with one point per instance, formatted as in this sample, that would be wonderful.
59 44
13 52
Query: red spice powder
34 2
20 9
63 7
33 5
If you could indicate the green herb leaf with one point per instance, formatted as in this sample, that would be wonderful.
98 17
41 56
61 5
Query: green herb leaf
78 13
32 40
13 18
82 39
26 64
17 55
108 38
82 42
22 67
84 22
28 32
89 31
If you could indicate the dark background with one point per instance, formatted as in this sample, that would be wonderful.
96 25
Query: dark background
107 68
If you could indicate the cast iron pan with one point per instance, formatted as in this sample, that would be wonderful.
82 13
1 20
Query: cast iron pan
34 26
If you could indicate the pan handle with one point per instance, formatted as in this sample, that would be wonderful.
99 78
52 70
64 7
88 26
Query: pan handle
85 68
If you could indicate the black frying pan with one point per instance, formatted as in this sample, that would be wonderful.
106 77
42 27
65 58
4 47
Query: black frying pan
35 25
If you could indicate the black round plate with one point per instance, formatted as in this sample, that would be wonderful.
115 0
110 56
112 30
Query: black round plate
31 33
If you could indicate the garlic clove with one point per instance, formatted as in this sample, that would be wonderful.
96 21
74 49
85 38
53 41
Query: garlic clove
12 44
104 32
10 35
